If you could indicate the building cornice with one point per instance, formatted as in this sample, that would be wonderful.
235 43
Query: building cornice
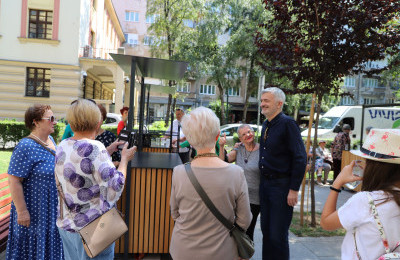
114 18
38 64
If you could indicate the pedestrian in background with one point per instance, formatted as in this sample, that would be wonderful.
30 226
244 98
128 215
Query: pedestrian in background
371 217
176 124
33 233
340 143
197 233
122 124
282 165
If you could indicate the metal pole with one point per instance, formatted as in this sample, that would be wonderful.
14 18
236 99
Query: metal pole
148 108
129 168
261 84
141 114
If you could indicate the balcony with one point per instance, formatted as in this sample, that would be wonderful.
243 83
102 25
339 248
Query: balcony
96 53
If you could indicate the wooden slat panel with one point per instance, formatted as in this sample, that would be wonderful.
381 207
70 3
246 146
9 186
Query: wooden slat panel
168 173
152 209
157 208
136 212
162 211
141 208
3 183
3 193
3 176
147 211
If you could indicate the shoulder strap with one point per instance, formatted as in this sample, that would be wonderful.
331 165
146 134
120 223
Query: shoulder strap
378 222
47 148
203 195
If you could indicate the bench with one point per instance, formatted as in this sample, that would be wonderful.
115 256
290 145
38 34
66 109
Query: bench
5 206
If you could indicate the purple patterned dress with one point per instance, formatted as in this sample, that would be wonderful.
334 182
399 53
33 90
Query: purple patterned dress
90 182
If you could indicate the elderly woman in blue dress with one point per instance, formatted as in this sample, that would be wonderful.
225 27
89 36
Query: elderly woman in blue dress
89 180
33 233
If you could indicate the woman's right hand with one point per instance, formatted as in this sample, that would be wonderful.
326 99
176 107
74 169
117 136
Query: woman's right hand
24 218
128 153
222 140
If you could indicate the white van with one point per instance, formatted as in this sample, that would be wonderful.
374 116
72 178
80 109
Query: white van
377 117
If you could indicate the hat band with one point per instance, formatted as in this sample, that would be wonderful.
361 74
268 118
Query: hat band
377 155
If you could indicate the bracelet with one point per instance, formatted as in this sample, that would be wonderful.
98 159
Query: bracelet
334 189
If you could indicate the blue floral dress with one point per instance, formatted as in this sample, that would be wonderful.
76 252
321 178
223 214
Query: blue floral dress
41 239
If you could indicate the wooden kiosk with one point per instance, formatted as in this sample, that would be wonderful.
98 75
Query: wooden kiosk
145 199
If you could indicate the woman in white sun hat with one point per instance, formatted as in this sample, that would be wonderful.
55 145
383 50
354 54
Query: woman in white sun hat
371 217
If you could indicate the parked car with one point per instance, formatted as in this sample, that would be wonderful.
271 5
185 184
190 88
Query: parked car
112 119
231 130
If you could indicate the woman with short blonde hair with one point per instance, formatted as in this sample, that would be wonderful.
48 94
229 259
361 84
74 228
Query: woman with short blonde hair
89 180
224 184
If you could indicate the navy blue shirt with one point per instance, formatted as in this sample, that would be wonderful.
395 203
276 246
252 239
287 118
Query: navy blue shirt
282 152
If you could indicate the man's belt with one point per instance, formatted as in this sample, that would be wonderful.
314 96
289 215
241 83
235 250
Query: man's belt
273 176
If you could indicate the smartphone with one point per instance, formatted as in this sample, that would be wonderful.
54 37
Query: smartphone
358 169
125 137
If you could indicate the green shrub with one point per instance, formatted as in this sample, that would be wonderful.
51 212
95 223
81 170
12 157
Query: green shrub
112 129
158 125
13 131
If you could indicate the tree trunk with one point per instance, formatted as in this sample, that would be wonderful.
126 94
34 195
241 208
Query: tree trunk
249 88
313 218
221 97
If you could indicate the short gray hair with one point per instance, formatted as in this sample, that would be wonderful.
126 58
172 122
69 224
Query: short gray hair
277 92
201 127
243 126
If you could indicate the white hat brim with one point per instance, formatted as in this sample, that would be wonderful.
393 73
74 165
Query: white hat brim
363 155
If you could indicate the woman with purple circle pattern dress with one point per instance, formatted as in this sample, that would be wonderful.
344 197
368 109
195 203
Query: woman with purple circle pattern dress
90 182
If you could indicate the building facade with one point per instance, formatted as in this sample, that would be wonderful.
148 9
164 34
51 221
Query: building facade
54 51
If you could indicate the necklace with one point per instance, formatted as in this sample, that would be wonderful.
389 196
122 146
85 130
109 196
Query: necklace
246 158
40 140
206 155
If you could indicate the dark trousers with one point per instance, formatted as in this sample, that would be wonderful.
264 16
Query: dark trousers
184 157
337 165
276 216
255 210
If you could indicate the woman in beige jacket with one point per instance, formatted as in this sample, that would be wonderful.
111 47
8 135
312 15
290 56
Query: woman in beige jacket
197 233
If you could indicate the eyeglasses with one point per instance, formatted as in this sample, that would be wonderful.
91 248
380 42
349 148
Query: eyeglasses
91 100
51 119
247 133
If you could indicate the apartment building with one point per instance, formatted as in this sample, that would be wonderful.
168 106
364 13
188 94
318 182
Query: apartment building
135 24
54 51
369 90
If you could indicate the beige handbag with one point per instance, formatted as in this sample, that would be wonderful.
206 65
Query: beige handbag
102 232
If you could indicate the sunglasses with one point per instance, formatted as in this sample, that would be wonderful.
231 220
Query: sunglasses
91 100
51 119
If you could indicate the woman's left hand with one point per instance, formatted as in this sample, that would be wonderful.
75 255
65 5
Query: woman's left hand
346 175
114 146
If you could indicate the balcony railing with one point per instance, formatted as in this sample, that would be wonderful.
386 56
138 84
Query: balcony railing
96 53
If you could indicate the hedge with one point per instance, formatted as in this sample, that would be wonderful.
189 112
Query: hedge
13 131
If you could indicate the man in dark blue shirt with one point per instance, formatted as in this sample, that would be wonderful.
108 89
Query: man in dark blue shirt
282 165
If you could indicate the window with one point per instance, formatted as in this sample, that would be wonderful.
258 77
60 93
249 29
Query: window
369 101
350 82
233 91
207 89
148 40
151 18
132 39
370 83
183 87
132 16
346 101
37 82
40 24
